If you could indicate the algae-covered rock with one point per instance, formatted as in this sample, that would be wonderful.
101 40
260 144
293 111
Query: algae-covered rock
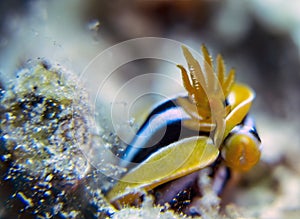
45 120
46 124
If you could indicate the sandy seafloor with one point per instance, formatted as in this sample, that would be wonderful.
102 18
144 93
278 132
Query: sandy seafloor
260 40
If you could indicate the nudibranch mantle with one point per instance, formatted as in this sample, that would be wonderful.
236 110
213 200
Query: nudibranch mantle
216 120
186 155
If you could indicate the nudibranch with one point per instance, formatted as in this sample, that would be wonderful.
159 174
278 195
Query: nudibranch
208 127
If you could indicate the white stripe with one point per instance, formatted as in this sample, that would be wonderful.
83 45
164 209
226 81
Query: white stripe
157 121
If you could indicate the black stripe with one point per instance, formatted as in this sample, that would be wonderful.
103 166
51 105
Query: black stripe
159 110
174 131
253 131
248 125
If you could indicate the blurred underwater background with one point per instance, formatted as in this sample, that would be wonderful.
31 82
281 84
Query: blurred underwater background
260 39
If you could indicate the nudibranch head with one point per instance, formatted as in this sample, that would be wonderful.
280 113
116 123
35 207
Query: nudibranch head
241 149
241 152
